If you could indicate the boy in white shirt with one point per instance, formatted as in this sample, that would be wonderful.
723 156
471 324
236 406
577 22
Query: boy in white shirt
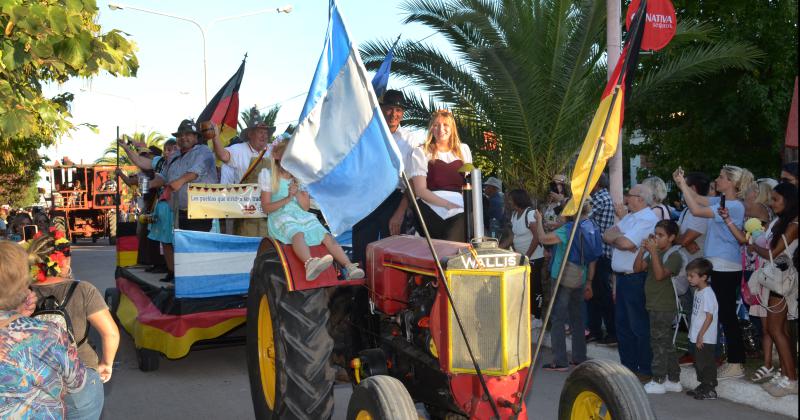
703 330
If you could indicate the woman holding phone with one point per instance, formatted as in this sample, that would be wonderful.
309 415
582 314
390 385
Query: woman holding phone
726 215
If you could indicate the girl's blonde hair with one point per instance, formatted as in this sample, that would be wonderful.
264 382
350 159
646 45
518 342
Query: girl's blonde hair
277 170
658 186
14 275
454 142
743 180
763 190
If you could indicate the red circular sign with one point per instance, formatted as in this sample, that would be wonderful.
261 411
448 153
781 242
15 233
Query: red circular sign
660 24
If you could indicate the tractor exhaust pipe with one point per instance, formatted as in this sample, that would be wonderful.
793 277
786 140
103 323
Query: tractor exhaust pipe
477 205
473 207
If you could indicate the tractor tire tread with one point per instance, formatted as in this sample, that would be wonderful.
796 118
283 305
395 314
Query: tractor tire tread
302 341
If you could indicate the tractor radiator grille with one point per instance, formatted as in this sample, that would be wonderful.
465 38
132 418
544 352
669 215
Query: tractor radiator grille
494 307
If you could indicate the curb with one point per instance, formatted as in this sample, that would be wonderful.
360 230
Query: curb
737 390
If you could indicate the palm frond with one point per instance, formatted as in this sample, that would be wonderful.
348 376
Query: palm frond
697 62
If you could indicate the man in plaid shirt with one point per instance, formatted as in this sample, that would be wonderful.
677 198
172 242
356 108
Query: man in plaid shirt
601 305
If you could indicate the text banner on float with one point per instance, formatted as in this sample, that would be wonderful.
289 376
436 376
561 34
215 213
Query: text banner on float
225 201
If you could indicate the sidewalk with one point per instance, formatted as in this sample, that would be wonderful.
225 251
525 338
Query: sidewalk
738 390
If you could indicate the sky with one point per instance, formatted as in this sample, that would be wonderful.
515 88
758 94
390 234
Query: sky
282 54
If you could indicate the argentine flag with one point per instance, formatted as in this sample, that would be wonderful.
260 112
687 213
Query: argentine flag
212 264
342 149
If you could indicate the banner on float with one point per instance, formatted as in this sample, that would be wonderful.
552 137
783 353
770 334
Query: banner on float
225 201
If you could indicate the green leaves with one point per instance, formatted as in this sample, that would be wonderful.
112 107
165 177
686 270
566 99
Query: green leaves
529 74
48 41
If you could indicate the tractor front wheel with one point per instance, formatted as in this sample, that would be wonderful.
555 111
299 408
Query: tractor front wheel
381 397
602 389
288 346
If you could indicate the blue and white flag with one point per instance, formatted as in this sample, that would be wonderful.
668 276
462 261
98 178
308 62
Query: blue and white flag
342 149
381 79
212 264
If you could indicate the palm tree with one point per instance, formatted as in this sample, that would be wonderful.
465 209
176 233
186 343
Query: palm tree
109 156
253 116
529 74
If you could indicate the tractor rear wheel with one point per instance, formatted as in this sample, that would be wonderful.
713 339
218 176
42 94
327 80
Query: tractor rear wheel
288 345
602 389
381 397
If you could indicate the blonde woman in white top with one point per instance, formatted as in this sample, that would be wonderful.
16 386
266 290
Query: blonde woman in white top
436 175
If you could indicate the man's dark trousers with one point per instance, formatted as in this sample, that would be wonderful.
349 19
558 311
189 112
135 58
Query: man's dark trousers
633 323
601 305
373 227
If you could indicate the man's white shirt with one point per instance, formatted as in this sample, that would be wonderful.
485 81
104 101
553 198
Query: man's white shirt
406 142
241 156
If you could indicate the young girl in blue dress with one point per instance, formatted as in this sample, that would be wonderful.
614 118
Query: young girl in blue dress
289 221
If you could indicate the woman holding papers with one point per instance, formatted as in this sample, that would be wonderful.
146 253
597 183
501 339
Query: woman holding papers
435 173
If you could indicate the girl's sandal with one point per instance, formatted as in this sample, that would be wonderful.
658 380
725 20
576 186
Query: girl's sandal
352 272
763 374
315 266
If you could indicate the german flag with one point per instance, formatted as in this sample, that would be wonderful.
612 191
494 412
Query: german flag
127 244
223 110
607 121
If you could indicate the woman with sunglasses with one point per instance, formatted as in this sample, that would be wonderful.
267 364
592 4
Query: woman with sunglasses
725 214
435 172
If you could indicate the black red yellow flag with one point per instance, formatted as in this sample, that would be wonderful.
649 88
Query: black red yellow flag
609 116
223 109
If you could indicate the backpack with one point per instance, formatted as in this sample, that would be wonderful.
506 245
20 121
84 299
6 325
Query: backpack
50 310
679 281
587 246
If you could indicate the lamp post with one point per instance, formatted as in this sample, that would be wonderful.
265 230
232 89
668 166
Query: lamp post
283 9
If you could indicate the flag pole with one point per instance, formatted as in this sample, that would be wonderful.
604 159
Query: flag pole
636 24
613 42
438 263
116 173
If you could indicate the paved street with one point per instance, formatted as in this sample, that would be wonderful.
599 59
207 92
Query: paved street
213 384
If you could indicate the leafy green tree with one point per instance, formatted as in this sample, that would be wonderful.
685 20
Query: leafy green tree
19 190
737 117
529 74
48 41
109 157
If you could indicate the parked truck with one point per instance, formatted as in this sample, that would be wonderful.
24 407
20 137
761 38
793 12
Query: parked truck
83 200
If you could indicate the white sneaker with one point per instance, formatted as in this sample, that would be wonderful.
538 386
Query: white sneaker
315 266
730 370
670 386
654 387
781 387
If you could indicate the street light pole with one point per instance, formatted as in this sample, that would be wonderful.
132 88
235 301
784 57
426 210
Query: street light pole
282 9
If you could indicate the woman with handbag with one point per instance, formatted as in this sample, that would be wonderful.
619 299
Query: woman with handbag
575 287
782 240
723 249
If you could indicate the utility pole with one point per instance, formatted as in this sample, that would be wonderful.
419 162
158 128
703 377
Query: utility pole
614 46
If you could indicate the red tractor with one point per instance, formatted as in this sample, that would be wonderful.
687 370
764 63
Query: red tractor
83 200
397 335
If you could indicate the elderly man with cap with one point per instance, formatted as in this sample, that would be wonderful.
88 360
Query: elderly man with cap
387 219
493 190
238 159
192 163
242 162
